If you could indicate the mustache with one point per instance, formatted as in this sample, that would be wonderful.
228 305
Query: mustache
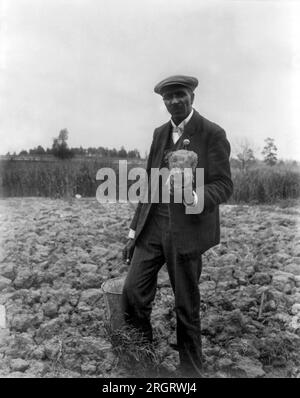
176 106
174 109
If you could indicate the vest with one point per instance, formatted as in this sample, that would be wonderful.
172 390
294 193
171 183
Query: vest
162 209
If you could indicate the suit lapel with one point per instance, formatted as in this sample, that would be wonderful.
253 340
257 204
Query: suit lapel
162 143
193 125
191 128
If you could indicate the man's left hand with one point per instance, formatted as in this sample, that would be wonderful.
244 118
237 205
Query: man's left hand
181 185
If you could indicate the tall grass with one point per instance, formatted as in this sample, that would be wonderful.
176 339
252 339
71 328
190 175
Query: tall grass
265 185
69 177
52 179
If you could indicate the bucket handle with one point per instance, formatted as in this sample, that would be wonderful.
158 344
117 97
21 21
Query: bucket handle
106 301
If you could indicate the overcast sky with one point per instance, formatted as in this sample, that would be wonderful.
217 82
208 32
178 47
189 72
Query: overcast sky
90 66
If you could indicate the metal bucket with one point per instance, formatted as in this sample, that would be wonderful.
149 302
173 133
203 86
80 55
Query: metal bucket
112 290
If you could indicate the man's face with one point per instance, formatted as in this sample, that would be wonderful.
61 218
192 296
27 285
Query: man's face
178 101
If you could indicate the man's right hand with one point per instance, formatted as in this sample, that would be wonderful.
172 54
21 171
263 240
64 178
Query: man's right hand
128 251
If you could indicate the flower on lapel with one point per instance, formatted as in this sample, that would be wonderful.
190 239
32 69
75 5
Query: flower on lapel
186 142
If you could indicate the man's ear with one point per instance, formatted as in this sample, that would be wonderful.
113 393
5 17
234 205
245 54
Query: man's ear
192 97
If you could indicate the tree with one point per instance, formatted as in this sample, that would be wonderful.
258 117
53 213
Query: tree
92 151
113 153
78 151
137 154
244 154
40 150
60 147
270 152
63 136
102 151
246 157
23 153
122 152
134 154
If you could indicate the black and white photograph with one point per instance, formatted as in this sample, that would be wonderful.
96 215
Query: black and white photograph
149 191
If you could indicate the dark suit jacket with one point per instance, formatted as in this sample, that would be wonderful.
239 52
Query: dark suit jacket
194 232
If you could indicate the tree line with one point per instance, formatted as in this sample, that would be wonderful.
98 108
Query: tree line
245 156
60 149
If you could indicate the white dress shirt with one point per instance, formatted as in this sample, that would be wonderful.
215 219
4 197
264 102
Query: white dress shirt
178 130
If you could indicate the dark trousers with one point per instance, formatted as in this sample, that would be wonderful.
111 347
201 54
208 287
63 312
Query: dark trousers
153 249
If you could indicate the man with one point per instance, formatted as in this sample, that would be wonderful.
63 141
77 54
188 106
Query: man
165 233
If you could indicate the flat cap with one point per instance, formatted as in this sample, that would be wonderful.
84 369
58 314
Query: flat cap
187 81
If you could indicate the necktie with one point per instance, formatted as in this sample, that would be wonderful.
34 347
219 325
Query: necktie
177 132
